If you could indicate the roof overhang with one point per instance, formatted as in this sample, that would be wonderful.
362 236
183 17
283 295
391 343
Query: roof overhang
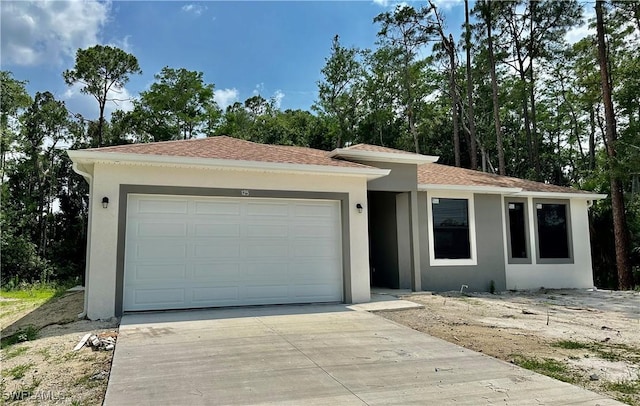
513 192
376 156
561 195
478 189
86 157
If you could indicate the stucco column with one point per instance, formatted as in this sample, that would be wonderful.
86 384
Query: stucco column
416 283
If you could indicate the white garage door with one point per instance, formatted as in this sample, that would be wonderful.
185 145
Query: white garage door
187 252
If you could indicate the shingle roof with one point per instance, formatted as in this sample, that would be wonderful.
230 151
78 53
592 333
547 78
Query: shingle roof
377 148
228 148
438 174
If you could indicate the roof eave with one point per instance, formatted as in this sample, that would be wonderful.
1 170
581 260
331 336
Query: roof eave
84 156
562 195
468 188
376 156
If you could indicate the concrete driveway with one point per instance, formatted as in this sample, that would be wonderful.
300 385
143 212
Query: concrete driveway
310 355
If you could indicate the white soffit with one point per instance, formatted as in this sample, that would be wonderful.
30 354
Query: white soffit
377 156
561 195
463 188
512 192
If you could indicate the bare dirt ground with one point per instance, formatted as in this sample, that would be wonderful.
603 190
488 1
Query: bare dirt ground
588 338
45 369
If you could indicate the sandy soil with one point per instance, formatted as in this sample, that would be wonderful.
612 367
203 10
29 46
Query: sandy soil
594 334
47 370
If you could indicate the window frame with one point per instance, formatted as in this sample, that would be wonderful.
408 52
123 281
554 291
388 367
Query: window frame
433 261
527 230
567 204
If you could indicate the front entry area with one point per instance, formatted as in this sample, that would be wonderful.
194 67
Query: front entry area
389 245
197 251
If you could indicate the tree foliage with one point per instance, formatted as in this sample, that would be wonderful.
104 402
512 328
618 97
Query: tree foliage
99 70
526 102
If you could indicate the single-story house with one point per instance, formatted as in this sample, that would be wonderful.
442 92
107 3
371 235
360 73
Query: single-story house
226 222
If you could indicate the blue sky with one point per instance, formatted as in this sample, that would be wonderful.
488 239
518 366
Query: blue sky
274 48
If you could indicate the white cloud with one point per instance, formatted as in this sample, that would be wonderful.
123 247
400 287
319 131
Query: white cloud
383 3
86 104
446 5
225 97
259 89
577 33
277 98
194 8
49 31
123 43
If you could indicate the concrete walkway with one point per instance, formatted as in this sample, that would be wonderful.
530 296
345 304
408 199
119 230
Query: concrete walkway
311 355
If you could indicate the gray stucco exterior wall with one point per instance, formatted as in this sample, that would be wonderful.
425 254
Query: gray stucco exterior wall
490 250
403 209
403 177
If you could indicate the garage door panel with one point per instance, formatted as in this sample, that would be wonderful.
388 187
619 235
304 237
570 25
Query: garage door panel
211 295
221 230
163 297
267 249
266 272
267 209
216 248
222 208
159 249
219 272
155 272
161 229
313 210
230 251
154 206
322 231
316 291
268 230
314 248
271 293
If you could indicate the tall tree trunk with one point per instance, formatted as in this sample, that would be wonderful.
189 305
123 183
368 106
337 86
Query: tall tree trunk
592 138
532 89
473 151
494 92
525 106
520 59
621 234
411 117
454 109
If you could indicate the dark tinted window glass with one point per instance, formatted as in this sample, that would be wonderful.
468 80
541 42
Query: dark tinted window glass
517 230
451 228
552 230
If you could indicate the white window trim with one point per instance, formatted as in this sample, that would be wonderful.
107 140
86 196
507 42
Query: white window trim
448 194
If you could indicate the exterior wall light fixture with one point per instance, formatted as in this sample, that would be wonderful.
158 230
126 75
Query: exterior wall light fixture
105 202
359 207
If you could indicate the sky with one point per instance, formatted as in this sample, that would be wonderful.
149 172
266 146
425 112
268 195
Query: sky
273 48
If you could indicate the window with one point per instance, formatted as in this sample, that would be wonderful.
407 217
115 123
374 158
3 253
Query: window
451 237
553 231
517 230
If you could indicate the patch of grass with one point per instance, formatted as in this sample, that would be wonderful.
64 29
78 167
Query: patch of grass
87 381
31 293
546 366
16 352
45 353
626 387
18 371
607 355
28 333
69 356
570 345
